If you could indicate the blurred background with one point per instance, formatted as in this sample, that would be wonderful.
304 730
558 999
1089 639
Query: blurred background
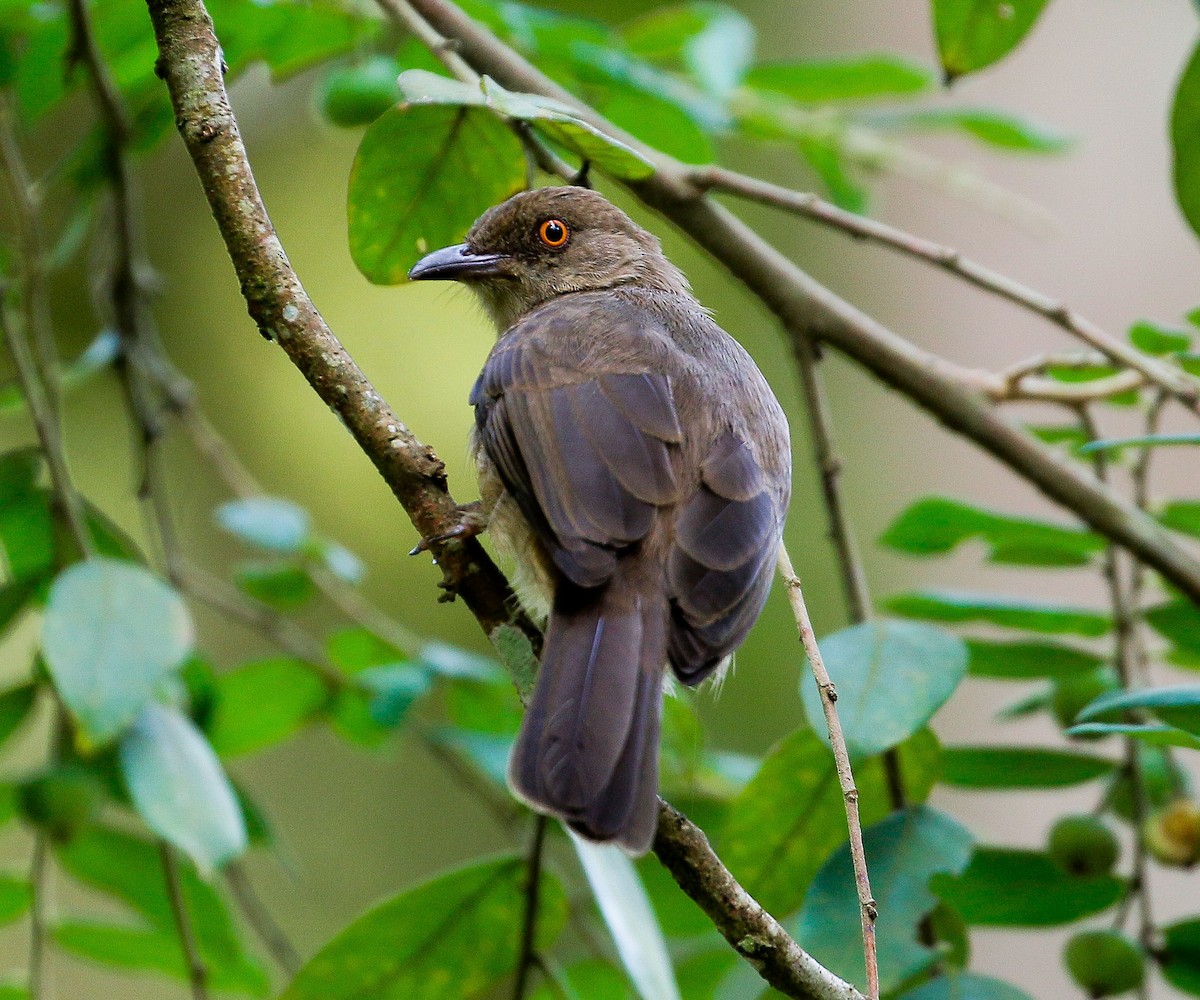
356 825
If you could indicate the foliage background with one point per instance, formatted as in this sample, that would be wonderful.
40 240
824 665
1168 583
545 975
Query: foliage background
358 825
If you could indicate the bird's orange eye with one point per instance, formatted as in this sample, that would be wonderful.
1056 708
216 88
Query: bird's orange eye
554 233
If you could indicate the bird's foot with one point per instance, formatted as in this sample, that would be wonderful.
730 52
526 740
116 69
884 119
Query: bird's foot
472 521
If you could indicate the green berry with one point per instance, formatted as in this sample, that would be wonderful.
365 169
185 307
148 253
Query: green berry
1084 846
1105 963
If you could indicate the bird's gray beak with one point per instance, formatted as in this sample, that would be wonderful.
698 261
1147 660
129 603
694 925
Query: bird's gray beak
456 263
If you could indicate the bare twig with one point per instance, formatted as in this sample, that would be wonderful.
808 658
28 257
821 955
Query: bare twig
868 910
39 874
273 937
533 882
197 970
1177 382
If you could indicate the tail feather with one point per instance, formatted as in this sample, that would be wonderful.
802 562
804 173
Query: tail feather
588 747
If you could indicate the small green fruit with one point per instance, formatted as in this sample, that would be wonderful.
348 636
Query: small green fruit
1084 846
1163 781
1105 963
1072 694
1173 834
61 802
354 96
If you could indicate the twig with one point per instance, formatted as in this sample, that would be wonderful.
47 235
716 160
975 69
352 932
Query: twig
197 970
868 910
38 877
802 304
273 937
1177 382
533 884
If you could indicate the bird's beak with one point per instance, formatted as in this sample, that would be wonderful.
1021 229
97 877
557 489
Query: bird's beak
456 263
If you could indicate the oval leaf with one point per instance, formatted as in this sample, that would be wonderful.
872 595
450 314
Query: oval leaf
891 677
905 850
179 788
630 918
965 986
1008 612
263 703
819 81
1020 767
1185 141
972 34
422 175
1028 660
268 522
1178 706
113 631
447 939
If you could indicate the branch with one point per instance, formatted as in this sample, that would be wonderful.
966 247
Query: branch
189 62
533 884
807 308
868 910
197 970
259 917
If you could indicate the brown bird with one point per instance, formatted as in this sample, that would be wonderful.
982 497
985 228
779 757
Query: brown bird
635 463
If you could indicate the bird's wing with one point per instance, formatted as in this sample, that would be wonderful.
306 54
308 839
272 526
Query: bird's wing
581 437
722 558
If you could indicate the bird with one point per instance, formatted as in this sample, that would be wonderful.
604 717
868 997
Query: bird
635 466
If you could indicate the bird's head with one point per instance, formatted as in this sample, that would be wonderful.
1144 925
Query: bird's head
550 242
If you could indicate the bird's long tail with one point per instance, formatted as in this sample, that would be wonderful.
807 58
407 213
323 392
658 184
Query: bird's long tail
588 747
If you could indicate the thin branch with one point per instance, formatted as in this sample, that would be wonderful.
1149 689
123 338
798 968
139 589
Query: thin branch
526 958
807 308
1177 382
868 910
197 970
273 937
39 874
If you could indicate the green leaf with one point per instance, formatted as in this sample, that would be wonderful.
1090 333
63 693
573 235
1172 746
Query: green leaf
1182 515
1142 441
394 690
449 938
353 650
972 34
905 849
1028 660
1154 735
854 78
934 525
630 918
831 166
657 122
421 177
267 522
965 986
27 535
484 707
15 897
488 752
1178 621
993 128
20 470
1158 340
1009 612
263 703
791 815
130 869
1069 434
1180 958
179 788
283 587
15 705
714 42
113 632
1185 141
592 978
457 663
891 677
1178 706
342 563
153 950
354 96
1020 767
1007 887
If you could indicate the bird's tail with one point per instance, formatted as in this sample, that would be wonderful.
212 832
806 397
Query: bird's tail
588 747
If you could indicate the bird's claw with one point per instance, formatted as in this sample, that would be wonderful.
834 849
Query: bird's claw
471 522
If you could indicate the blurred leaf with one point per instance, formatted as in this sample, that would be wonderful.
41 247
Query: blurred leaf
20 470
827 161
263 703
1178 621
13 991
821 81
267 522
62 800
712 41
993 128
421 177
15 598
353 719
1009 612
1158 340
891 677
1142 441
657 122
1154 735
1007 887
1069 434
1185 141
1027 660
1180 958
484 707
592 978
965 986
283 587
449 938
353 650
934 525
27 535
631 920
354 96
179 788
1020 767
15 897
1182 515
15 705
130 869
1163 782
488 752
791 815
343 563
112 633
1177 706
905 849
972 34
394 688
154 950
458 663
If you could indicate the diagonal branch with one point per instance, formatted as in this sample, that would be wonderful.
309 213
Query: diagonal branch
808 308
190 63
